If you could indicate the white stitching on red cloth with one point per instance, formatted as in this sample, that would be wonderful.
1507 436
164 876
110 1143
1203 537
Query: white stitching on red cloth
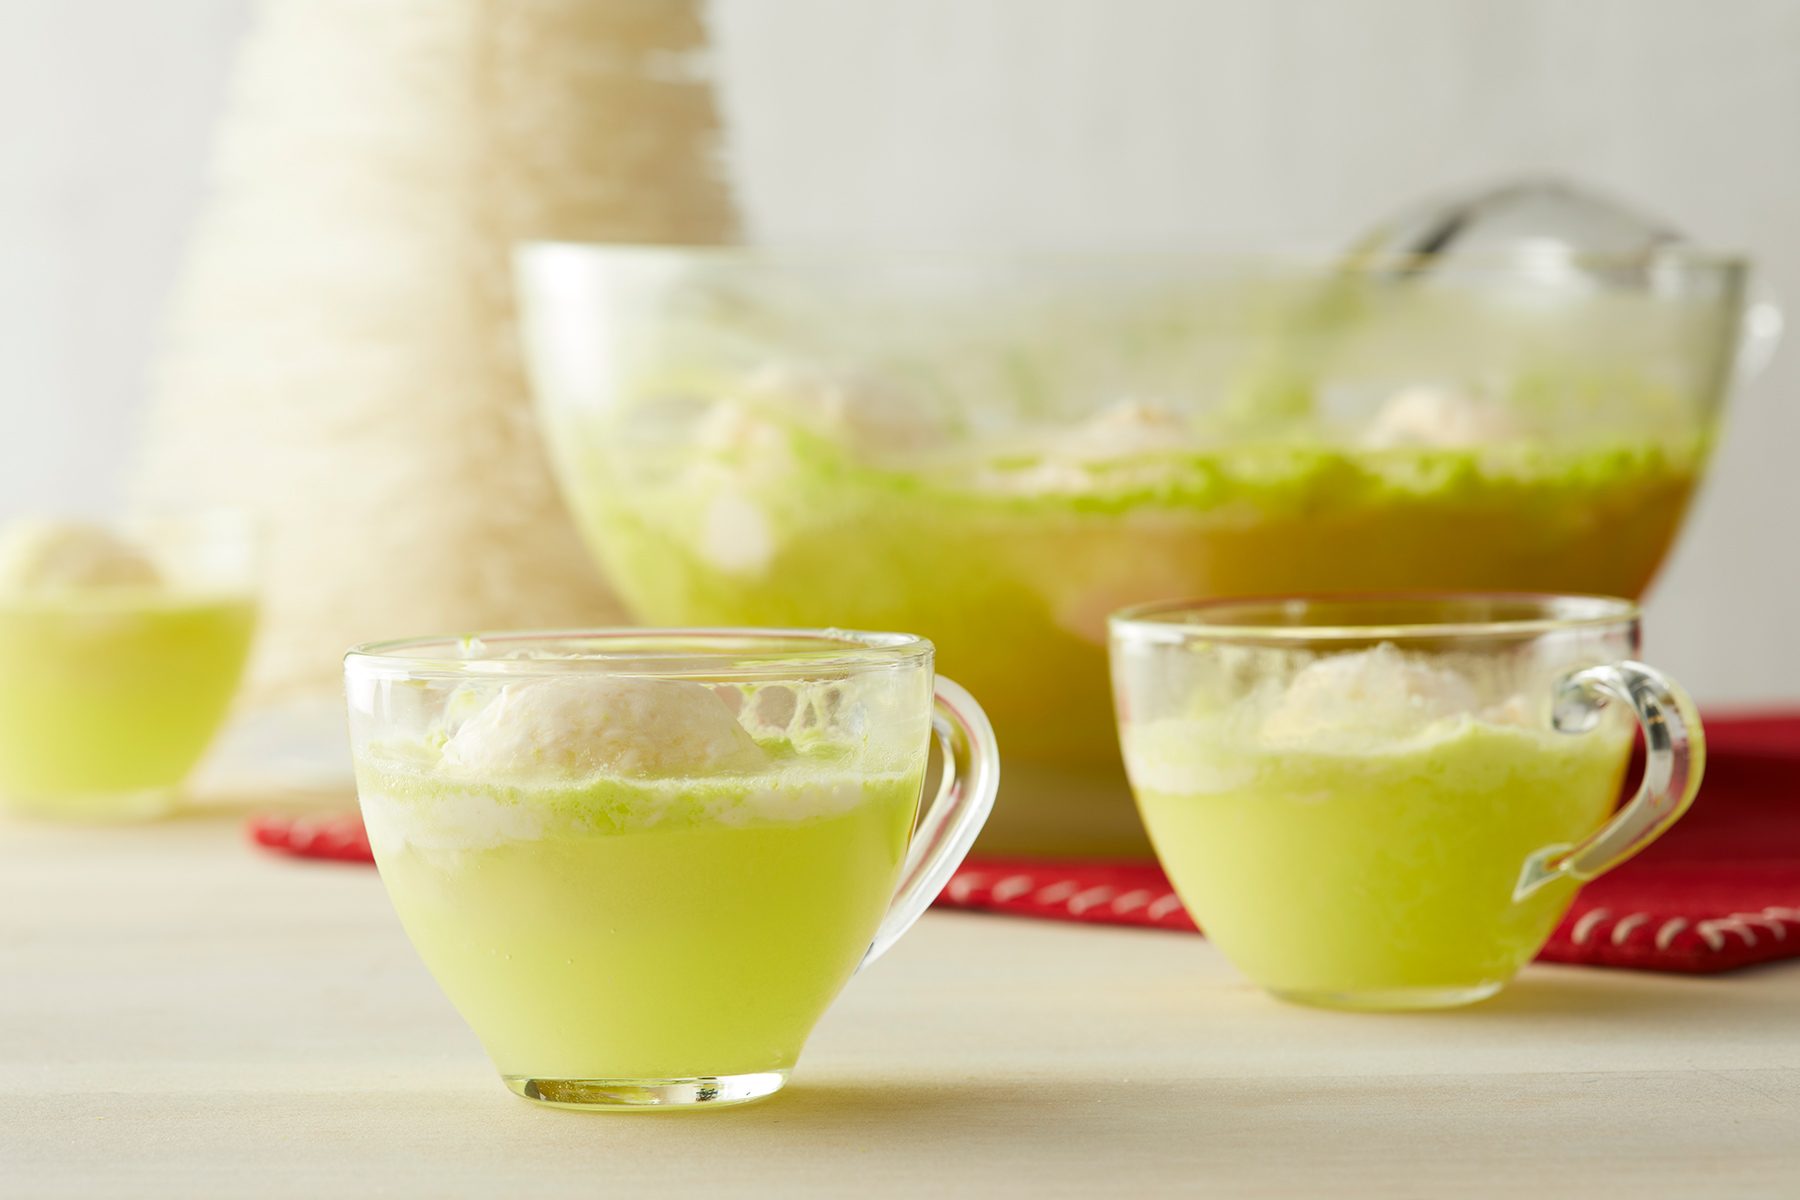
1095 895
1774 924
1584 928
1132 900
962 885
1163 907
1626 924
1710 930
1589 928
1011 886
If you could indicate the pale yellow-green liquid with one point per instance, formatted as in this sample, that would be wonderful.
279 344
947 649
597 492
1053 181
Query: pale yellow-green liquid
1014 589
108 699
642 930
1377 877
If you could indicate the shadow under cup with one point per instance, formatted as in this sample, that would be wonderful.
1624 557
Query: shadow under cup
1389 802
642 864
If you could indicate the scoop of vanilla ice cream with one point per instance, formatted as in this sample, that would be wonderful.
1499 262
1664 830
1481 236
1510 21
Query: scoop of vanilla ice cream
1438 417
1070 457
865 415
581 725
747 459
40 554
1124 429
1515 710
869 415
734 430
1378 693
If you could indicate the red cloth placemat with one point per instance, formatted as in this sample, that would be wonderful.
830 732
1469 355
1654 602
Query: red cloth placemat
1720 890
339 837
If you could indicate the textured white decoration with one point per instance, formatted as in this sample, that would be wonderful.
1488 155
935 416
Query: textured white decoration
341 355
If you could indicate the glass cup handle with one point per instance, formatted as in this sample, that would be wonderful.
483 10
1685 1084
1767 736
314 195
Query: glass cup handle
1674 759
971 776
1760 332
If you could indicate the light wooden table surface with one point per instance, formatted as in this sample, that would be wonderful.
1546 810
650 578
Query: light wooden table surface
182 1016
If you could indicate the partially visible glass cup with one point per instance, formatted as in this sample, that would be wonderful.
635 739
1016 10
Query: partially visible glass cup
642 863
121 648
1389 802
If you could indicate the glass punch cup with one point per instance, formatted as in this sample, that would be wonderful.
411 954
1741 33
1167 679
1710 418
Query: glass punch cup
641 864
121 647
1388 803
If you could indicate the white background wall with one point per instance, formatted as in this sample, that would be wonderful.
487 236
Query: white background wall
1212 123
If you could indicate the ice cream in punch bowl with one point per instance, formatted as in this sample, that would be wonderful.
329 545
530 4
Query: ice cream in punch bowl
999 451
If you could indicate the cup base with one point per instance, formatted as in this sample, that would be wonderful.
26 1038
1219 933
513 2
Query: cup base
704 1091
1391 999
